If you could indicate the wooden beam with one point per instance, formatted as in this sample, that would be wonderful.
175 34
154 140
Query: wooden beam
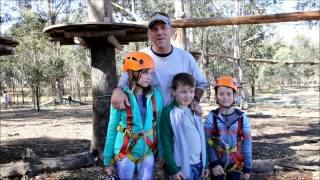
196 53
273 61
113 40
258 19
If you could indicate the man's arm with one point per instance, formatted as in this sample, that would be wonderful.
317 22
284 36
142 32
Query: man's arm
119 99
194 106
198 94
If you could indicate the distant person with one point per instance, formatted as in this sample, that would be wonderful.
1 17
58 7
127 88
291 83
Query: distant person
69 100
182 133
228 135
132 134
6 100
169 61
58 91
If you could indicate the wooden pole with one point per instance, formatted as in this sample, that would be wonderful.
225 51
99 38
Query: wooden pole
258 19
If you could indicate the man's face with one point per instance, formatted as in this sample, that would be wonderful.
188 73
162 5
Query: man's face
160 35
184 94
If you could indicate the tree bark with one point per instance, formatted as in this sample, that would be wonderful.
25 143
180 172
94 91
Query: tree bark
103 75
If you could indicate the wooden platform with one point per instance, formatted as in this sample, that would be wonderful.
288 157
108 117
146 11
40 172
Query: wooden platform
125 33
6 45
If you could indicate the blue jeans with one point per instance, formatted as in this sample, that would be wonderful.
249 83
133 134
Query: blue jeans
126 168
196 171
230 176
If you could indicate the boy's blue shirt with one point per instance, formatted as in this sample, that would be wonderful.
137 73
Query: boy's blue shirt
231 139
114 138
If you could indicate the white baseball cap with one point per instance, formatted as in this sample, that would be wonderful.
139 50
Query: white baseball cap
158 17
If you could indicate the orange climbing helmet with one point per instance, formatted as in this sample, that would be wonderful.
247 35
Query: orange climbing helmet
226 81
137 61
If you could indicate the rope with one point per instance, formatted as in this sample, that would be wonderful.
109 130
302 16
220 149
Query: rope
102 97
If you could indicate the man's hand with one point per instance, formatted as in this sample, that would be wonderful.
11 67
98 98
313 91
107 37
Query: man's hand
217 170
110 170
194 106
119 99
179 176
246 176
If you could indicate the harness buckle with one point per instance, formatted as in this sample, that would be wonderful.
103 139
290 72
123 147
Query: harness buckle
117 158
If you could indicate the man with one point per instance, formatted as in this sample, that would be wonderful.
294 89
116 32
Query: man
168 60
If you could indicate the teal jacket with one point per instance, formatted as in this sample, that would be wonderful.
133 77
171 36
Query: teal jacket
114 139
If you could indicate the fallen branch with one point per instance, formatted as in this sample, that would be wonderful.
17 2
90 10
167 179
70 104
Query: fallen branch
297 167
265 167
32 165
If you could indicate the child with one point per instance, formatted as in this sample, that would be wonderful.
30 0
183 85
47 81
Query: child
182 132
228 128
132 134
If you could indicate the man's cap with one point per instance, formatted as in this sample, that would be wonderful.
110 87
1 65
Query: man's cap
158 17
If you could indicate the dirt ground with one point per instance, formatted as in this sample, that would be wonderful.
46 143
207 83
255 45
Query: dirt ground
285 128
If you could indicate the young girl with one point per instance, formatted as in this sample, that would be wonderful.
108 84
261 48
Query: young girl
228 135
132 135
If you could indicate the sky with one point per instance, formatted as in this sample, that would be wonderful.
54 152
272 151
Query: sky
287 31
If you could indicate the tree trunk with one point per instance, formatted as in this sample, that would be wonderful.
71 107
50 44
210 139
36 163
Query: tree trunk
103 76
51 15
22 92
181 40
38 96
33 98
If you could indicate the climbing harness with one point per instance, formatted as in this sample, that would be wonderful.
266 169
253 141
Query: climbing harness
234 153
126 148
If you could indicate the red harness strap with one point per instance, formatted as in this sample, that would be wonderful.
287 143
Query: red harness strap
125 149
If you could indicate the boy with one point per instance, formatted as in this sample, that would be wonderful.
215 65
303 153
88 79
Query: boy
228 135
182 133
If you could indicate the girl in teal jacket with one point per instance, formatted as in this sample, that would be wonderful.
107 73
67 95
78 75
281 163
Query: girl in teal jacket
133 134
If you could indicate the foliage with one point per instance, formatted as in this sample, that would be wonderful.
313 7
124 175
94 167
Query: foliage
38 62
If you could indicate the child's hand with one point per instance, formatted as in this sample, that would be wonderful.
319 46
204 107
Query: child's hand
246 176
217 170
110 170
205 173
161 162
179 176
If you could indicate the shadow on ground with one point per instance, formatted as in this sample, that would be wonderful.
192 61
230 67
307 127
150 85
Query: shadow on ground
45 114
284 151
